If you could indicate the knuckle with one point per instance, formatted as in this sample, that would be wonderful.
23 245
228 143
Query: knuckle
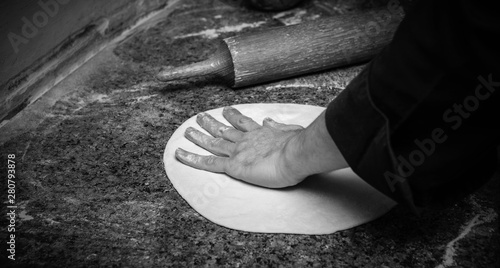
215 142
243 120
222 129
210 160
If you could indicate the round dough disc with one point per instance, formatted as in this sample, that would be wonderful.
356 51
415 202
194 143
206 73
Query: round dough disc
321 204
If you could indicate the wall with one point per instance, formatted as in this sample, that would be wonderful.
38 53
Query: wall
38 38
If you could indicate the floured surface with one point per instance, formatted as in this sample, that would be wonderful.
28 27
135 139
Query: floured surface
321 204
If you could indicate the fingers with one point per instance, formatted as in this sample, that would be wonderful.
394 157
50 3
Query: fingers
210 163
217 129
284 127
238 120
230 134
218 146
210 124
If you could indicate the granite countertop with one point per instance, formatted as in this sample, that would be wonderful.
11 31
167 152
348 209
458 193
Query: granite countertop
91 188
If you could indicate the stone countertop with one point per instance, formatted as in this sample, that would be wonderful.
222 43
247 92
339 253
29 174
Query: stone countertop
91 189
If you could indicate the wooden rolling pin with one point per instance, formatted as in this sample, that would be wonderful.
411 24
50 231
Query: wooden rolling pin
287 51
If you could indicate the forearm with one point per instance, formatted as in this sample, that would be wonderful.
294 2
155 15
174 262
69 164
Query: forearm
313 151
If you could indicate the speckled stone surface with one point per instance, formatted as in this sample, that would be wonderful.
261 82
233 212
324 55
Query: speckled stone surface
91 189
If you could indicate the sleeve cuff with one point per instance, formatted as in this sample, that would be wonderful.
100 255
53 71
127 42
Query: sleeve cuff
361 133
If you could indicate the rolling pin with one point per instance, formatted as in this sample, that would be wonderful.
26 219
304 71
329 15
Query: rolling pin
287 51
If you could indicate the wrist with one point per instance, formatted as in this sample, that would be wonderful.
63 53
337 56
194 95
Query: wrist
291 163
311 151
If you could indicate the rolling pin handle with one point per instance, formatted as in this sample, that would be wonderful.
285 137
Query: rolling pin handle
203 68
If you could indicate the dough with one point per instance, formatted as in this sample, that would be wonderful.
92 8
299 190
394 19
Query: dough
321 204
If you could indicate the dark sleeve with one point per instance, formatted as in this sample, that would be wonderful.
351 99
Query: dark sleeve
421 122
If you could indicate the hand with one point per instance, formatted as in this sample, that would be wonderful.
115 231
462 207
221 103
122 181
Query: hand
249 152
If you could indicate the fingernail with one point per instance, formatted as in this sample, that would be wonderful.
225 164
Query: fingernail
184 156
200 117
228 109
189 131
180 152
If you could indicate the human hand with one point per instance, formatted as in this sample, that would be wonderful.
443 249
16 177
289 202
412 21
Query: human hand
247 151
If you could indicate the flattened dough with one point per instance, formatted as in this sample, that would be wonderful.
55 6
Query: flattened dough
321 204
